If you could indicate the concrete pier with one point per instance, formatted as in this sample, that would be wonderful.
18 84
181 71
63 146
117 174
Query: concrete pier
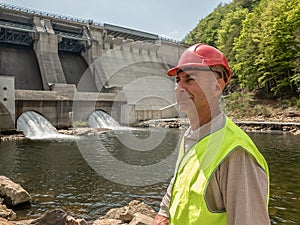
7 103
46 50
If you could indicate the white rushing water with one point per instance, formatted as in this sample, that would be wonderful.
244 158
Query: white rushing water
35 126
100 119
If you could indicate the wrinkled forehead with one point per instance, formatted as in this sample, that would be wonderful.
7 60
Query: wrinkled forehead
200 74
186 69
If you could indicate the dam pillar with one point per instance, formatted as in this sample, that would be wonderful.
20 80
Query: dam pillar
94 48
7 102
94 44
46 50
169 52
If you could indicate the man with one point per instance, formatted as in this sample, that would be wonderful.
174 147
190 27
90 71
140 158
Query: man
221 178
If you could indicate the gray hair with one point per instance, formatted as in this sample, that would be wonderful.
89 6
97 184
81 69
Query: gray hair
221 71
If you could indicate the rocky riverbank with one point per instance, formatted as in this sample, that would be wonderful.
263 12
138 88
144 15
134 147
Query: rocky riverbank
81 131
279 126
13 196
292 127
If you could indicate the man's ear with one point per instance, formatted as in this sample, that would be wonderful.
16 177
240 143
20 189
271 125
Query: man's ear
220 85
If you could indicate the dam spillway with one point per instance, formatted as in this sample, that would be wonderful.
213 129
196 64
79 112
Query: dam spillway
66 68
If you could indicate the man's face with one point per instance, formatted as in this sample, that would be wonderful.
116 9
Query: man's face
196 90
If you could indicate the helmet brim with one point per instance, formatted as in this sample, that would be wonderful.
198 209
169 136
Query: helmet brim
173 71
190 66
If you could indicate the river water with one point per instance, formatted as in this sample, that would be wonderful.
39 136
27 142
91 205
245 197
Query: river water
86 176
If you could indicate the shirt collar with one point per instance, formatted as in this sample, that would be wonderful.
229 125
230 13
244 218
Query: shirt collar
215 124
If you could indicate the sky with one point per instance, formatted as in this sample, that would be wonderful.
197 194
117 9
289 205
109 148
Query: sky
172 19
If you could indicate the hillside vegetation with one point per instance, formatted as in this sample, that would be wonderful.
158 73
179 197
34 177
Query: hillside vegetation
261 39
247 107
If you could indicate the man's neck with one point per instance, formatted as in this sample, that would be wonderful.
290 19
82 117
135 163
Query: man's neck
205 116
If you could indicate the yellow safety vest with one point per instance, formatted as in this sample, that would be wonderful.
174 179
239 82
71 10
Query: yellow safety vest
194 170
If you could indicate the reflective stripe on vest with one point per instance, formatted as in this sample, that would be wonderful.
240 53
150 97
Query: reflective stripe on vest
193 172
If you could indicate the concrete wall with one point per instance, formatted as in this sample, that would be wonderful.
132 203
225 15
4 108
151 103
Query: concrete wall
64 105
21 62
7 103
132 114
139 69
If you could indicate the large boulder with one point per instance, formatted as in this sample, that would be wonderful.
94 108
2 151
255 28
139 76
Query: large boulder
136 212
12 193
54 217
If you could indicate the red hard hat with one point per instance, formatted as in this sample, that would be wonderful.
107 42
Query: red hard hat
201 55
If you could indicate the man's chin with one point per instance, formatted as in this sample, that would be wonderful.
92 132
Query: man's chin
185 107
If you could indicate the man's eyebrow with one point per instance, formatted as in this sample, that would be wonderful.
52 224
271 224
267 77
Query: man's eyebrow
186 75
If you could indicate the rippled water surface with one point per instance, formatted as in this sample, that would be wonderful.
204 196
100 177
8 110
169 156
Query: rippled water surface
282 153
57 173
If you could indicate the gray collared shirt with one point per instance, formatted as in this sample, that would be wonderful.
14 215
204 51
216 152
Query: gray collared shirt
192 137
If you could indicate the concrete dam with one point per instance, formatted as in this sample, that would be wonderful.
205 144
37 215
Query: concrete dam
66 68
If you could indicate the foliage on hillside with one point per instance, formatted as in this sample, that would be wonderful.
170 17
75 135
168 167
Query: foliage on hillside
261 39
244 106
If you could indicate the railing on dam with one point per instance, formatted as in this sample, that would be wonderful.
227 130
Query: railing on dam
113 29
41 13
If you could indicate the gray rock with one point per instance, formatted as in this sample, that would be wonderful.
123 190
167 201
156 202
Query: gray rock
54 217
22 222
72 221
12 193
7 213
136 212
141 219
5 222
107 222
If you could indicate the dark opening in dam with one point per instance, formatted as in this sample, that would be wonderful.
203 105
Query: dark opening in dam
21 62
75 68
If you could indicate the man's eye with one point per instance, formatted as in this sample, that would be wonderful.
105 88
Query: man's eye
190 80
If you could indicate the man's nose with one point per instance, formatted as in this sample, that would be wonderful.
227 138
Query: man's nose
180 86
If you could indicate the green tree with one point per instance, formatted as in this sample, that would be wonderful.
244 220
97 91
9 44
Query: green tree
246 49
207 28
222 27
230 29
261 41
267 50
248 4
279 46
